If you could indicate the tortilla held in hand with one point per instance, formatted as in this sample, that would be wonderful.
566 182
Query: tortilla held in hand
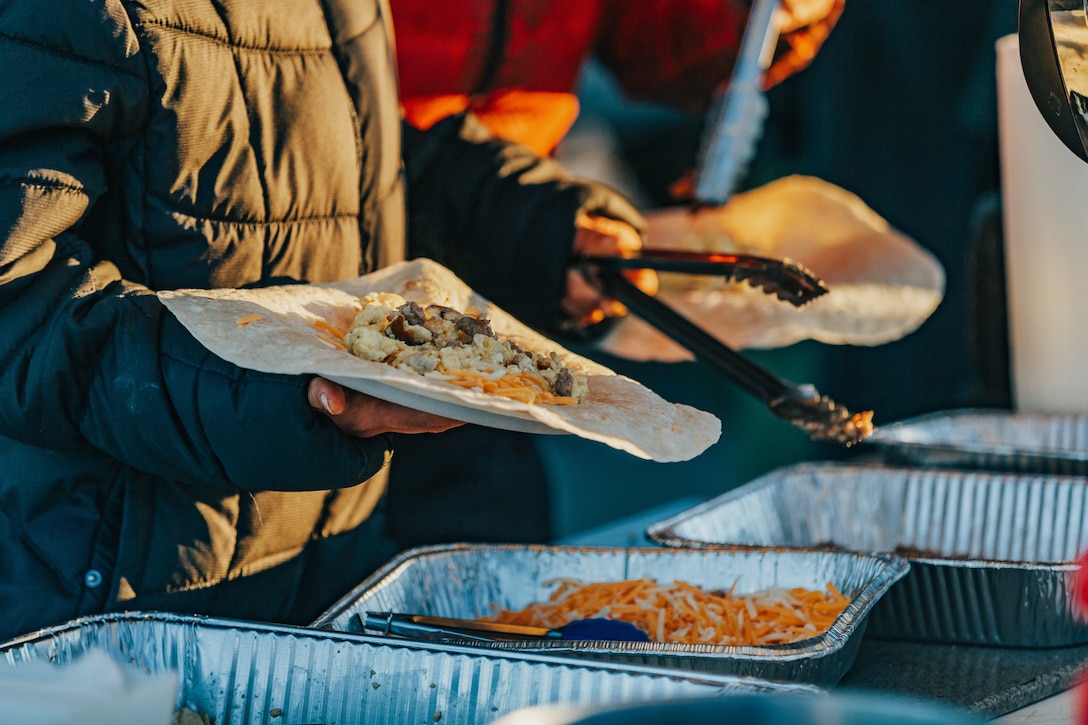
293 329
882 285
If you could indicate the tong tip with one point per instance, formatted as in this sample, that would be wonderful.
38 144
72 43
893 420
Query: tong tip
803 285
785 279
823 419
847 429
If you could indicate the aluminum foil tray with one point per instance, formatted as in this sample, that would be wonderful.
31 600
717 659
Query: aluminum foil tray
465 581
992 554
238 672
998 440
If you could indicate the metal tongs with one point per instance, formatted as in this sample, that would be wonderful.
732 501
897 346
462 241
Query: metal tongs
802 405
734 123
733 127
448 629
785 279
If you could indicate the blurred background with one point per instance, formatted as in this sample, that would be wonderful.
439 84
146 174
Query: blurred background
900 108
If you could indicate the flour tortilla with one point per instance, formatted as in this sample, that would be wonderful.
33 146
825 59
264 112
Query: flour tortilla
882 285
618 411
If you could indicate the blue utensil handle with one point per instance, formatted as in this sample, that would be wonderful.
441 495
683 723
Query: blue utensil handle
612 630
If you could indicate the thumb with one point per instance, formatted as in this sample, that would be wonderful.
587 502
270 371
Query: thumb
326 396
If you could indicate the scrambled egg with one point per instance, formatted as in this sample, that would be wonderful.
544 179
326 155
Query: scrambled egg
435 340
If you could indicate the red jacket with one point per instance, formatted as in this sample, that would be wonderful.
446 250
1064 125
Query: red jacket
516 62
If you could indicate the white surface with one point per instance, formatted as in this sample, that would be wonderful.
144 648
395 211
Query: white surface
1045 188
91 690
1058 709
631 531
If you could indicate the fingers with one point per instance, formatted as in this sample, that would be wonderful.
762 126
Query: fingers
364 416
803 35
326 396
797 14
585 303
645 279
602 236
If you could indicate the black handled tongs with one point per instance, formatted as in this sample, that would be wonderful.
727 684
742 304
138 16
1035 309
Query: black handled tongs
802 405
785 279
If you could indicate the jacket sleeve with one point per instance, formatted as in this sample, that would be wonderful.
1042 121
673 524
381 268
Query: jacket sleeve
678 52
90 360
499 216
674 52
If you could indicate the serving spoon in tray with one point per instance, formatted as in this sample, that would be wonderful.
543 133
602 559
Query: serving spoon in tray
802 405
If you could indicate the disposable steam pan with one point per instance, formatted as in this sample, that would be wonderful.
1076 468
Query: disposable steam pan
236 672
992 554
997 440
467 581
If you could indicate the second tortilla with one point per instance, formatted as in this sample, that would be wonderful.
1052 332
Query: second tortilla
883 285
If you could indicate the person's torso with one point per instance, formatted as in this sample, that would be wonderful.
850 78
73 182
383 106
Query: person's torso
270 148
476 46
513 63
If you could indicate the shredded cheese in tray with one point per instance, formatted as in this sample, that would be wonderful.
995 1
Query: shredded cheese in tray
681 612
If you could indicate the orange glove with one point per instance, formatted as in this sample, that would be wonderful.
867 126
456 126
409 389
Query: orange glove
805 26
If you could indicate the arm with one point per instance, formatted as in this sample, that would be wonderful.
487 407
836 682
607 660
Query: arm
673 52
90 360
677 52
503 218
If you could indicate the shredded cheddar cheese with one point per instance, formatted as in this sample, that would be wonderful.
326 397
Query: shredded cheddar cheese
684 613
515 385
243 321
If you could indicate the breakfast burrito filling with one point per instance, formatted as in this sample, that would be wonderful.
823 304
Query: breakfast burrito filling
459 347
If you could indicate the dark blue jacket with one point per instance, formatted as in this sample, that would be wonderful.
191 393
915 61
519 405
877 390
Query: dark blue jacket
150 144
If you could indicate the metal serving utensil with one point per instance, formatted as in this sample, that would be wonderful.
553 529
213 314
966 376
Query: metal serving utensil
785 279
802 405
419 626
734 123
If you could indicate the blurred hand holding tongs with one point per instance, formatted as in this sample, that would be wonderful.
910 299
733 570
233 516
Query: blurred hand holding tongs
734 126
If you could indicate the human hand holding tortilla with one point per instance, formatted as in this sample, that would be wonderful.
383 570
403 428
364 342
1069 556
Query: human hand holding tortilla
283 330
365 416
